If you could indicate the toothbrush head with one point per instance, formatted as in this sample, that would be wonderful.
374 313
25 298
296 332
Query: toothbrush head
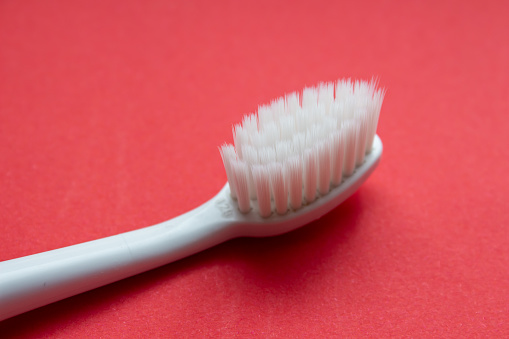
305 153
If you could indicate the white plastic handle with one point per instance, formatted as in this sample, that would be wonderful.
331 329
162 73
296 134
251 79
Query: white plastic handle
37 280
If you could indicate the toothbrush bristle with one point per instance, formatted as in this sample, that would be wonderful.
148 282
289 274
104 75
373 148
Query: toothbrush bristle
295 150
279 191
293 176
324 166
310 174
240 176
262 186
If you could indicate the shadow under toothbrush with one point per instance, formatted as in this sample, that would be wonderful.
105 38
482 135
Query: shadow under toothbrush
284 261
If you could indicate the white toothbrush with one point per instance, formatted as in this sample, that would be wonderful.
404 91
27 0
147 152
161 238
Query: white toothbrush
296 160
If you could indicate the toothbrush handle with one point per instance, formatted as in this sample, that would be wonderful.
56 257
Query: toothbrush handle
37 280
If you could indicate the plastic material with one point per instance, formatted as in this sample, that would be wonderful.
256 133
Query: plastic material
37 280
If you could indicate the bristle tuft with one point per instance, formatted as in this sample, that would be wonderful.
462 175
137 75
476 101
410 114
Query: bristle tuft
293 172
351 130
337 157
240 176
279 190
324 166
300 146
310 174
262 186
228 155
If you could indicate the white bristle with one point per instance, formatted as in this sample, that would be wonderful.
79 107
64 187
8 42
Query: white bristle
350 129
256 139
292 103
347 108
329 124
300 121
361 137
309 97
240 176
324 166
374 113
287 127
293 173
265 115
278 107
302 144
283 150
279 190
312 135
240 138
250 156
344 89
337 157
266 155
228 155
310 174
299 143
262 186
326 95
250 123
271 134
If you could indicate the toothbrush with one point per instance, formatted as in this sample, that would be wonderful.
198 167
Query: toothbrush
292 162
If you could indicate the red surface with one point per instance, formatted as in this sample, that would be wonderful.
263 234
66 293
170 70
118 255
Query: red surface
110 118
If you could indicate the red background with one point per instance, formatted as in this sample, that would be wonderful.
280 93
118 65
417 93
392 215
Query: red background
110 117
